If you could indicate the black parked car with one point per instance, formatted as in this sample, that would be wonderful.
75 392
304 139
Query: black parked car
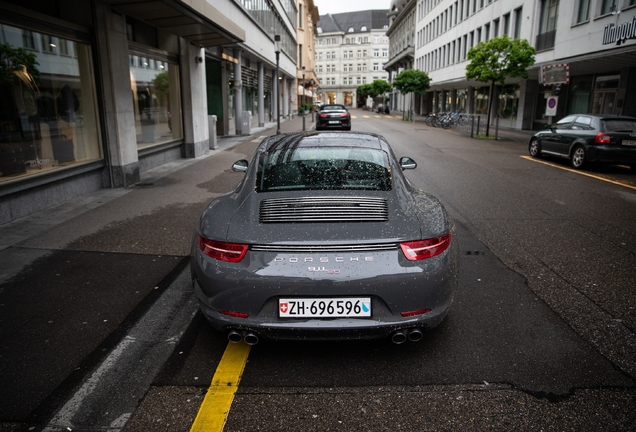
589 138
324 238
382 109
333 117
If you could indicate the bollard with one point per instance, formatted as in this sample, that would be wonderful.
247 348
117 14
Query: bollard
478 118
212 132
497 127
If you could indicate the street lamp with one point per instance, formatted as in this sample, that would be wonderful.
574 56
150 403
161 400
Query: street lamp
303 98
277 51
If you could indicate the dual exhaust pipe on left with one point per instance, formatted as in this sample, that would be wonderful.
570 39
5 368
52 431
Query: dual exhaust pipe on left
238 335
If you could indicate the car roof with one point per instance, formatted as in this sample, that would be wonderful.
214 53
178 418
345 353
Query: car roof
602 116
325 139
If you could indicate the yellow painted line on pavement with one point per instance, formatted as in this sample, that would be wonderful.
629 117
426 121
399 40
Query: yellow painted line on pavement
354 116
365 116
218 400
578 172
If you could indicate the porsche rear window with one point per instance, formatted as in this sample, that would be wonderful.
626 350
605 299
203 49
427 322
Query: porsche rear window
324 168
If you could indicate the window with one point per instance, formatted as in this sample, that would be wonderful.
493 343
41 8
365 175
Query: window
350 30
376 53
48 44
309 168
608 6
300 15
547 25
549 15
518 21
385 52
376 66
363 28
28 41
156 101
55 124
506 24
583 13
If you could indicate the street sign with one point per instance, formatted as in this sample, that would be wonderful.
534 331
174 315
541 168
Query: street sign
551 107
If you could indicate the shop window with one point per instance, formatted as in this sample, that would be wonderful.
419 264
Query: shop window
156 100
48 116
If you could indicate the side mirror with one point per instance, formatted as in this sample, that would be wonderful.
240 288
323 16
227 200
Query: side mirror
240 165
407 163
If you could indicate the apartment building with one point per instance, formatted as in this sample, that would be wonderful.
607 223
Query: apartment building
351 50
591 43
100 91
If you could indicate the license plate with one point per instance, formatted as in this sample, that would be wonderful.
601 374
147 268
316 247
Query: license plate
334 121
629 142
324 307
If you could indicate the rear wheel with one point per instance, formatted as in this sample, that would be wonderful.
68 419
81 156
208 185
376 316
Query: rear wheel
579 156
534 148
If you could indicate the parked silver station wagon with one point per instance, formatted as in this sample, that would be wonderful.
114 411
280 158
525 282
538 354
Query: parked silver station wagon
324 239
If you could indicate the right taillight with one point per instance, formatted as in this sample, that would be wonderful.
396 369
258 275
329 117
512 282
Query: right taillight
602 138
422 249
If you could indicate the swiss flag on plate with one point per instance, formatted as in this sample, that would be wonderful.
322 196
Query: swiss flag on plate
283 307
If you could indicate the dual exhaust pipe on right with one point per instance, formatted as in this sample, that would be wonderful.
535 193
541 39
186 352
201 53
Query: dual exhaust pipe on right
400 336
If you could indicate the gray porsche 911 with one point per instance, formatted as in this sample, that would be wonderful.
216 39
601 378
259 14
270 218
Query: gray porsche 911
324 239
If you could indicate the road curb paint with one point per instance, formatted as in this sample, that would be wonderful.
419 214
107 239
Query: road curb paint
579 172
218 400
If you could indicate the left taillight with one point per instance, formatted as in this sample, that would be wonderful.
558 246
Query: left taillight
422 249
223 251
602 138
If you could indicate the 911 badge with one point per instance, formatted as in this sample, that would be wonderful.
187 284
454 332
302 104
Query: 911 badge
323 269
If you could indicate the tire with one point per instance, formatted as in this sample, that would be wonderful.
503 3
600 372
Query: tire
534 148
578 159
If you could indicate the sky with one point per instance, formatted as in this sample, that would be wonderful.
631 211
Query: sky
340 6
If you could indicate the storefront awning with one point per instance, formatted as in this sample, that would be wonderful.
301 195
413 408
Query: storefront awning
196 20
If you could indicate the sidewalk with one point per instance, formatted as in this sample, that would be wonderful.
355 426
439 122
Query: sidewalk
76 278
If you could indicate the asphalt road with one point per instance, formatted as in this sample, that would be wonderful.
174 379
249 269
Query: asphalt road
540 337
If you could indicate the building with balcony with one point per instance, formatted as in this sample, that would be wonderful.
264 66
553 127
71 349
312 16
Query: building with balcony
351 50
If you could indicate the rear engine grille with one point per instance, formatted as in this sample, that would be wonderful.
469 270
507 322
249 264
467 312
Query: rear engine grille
324 209
324 248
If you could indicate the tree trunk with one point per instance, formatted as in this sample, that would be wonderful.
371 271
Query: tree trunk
490 101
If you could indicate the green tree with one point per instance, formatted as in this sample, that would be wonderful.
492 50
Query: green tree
412 81
380 87
364 91
162 83
497 59
18 64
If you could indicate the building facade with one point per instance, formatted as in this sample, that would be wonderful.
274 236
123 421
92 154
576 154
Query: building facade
306 65
351 49
592 43
96 92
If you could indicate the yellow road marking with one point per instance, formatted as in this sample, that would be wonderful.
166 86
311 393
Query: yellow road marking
365 116
579 172
217 402
354 116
